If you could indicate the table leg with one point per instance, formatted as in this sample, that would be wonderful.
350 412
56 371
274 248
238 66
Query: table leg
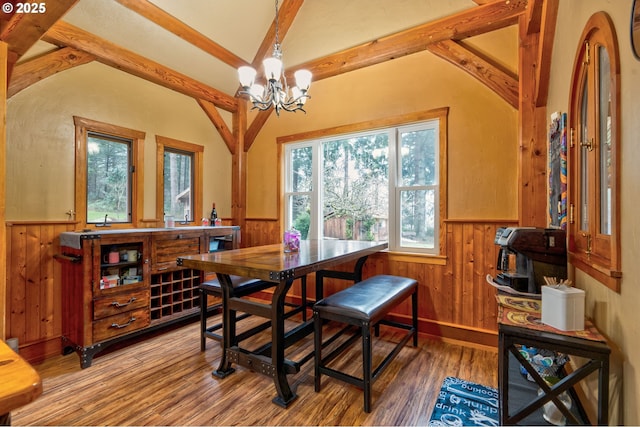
503 378
228 327
603 393
285 395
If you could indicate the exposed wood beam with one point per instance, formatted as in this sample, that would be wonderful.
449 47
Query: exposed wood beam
490 16
170 23
23 30
532 154
286 15
217 120
258 121
239 169
29 72
545 49
498 80
478 20
64 34
533 16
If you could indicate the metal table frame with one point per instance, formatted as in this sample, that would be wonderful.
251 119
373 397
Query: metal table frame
272 264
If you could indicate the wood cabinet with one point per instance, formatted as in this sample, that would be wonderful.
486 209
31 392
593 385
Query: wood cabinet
118 284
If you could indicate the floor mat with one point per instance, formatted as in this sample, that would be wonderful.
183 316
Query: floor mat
463 403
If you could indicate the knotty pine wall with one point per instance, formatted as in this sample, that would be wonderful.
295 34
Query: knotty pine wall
455 301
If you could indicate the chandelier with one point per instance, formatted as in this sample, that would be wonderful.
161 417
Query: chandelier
277 93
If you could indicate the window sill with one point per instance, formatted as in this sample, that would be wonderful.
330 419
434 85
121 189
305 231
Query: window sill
417 258
604 274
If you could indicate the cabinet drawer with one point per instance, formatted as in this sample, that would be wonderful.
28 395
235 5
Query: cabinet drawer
167 249
119 303
120 324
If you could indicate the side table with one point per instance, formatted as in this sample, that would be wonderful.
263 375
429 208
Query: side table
519 324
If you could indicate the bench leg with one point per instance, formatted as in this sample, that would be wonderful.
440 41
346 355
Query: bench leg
317 338
366 365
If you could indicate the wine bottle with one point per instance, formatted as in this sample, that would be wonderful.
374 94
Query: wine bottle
214 216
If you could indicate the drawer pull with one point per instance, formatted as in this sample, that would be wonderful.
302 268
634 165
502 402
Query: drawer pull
116 304
118 326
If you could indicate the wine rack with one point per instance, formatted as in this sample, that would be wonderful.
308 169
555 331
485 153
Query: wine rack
174 293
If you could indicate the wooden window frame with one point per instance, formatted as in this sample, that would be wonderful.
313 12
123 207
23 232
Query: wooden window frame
440 114
83 127
163 142
591 251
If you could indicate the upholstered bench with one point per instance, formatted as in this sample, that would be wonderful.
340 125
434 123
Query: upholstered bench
242 286
365 305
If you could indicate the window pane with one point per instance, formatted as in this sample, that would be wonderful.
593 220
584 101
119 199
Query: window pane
108 179
417 219
584 164
178 177
301 170
419 158
300 214
605 140
355 186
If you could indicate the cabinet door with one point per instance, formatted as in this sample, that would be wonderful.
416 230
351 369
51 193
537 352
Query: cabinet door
167 247
121 263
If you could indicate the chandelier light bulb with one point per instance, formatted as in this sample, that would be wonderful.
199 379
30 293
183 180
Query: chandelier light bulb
303 79
247 76
272 68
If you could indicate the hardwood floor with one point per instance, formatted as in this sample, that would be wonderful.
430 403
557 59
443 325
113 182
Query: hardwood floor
166 380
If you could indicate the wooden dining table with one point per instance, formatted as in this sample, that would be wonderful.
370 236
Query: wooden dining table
270 263
19 382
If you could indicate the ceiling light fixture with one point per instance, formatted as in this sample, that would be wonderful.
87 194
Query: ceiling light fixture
276 94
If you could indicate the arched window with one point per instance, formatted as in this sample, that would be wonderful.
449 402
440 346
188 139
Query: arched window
594 168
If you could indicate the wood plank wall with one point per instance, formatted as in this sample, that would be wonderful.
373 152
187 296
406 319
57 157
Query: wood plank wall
455 301
33 287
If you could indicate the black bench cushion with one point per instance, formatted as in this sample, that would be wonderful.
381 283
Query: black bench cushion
241 286
370 299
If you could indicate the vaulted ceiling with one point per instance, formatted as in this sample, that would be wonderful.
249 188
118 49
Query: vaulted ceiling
195 46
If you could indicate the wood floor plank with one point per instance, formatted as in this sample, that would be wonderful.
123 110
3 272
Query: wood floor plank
166 380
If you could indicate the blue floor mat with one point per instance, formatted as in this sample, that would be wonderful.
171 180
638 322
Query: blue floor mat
463 403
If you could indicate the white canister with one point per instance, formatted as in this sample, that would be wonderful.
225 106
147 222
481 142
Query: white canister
132 256
169 221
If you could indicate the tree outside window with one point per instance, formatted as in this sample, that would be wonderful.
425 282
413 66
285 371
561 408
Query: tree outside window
381 184
108 179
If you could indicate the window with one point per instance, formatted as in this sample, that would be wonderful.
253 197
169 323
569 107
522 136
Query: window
179 180
384 184
594 235
108 173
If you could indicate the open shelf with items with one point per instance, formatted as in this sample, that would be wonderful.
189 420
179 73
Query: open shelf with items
118 284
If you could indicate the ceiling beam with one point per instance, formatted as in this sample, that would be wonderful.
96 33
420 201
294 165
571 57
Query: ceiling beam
489 16
477 20
549 15
29 72
23 30
258 121
64 34
155 14
500 81
286 15
214 115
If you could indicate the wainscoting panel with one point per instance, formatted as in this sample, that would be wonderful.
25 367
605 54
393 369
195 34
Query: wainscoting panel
455 300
